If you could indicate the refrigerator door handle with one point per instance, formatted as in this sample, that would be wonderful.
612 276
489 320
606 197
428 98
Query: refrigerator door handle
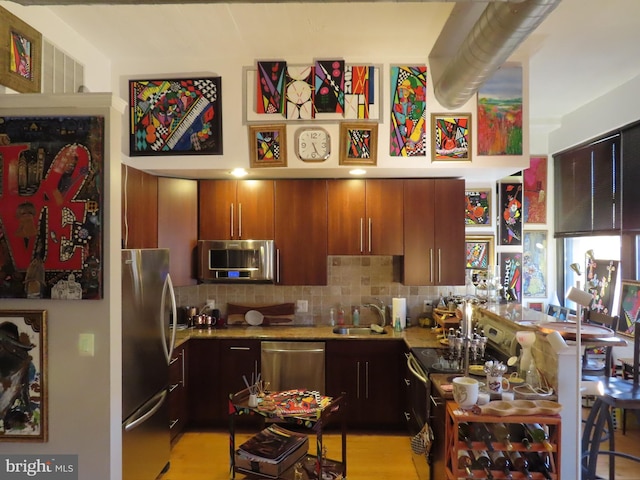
168 285
142 414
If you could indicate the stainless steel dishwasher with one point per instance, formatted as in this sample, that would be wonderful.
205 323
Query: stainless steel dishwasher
290 365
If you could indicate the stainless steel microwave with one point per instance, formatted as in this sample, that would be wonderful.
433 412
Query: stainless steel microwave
235 261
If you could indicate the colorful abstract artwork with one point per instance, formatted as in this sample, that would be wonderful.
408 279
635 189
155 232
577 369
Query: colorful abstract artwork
24 409
176 116
271 78
267 146
359 81
511 214
477 210
329 86
51 207
534 264
358 144
20 61
299 93
535 191
601 279
500 113
479 252
408 111
629 307
450 137
511 268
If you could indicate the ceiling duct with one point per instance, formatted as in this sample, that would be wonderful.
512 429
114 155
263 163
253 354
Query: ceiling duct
499 30
170 2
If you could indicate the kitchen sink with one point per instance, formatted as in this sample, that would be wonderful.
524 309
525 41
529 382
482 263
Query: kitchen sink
354 331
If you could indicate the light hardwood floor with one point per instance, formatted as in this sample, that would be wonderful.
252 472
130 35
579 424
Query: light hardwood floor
205 455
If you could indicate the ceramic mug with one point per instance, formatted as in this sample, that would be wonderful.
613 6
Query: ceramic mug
465 392
497 384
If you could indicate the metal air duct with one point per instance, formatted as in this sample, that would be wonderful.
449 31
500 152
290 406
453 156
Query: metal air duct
495 36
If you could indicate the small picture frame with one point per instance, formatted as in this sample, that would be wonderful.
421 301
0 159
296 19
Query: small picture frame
268 145
451 137
20 54
537 306
24 377
629 307
477 209
358 143
479 252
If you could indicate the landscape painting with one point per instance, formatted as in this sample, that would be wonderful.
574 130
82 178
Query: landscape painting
500 113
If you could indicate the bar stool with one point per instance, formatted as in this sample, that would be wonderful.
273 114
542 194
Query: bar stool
615 393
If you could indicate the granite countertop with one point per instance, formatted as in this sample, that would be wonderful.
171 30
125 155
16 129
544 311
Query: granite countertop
414 337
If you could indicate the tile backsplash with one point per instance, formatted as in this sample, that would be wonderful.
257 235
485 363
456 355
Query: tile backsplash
352 281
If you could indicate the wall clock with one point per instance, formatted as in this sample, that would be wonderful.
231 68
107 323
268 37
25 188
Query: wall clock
313 144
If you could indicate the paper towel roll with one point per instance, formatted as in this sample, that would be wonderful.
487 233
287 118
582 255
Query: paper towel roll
399 309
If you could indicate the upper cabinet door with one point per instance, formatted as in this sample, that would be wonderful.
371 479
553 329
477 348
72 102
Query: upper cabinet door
178 226
236 209
434 232
139 209
301 232
365 217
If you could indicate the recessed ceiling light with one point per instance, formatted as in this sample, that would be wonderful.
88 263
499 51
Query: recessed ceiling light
357 171
239 172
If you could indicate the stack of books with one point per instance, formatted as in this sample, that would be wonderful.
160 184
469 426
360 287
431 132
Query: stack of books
271 451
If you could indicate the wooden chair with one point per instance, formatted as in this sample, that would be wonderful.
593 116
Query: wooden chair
617 393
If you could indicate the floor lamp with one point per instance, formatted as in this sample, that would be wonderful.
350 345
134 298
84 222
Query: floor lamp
582 300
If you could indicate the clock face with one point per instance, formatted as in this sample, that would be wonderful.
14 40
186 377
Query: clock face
313 144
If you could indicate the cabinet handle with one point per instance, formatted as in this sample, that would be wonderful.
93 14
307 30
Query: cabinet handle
173 423
184 376
407 416
239 220
366 379
239 348
358 380
407 382
431 265
277 265
173 386
370 225
173 360
439 265
361 234
231 217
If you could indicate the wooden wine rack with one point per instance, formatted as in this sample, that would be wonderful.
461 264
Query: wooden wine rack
452 443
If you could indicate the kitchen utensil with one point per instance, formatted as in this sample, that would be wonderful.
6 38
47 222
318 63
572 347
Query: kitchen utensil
254 317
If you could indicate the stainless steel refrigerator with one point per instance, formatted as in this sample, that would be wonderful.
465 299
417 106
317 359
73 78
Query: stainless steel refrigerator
148 305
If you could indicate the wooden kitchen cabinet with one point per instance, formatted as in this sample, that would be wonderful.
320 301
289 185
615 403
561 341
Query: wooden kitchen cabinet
139 201
236 209
178 226
434 232
205 407
365 217
178 396
301 232
371 373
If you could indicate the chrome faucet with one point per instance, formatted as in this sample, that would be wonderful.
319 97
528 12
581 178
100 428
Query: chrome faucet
381 309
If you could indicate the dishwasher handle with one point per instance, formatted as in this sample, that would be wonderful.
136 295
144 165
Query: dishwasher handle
287 350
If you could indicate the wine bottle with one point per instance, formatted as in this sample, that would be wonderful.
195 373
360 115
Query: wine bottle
501 462
465 462
520 463
484 462
517 434
464 434
482 433
501 434
538 464
539 435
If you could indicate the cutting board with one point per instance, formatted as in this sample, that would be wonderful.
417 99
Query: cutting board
568 330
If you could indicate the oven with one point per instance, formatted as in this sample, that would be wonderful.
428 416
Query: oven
427 407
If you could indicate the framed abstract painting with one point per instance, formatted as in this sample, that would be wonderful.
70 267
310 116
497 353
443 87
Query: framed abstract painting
534 264
358 144
629 307
535 191
268 146
511 214
20 54
479 252
24 409
511 280
477 209
175 117
450 137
